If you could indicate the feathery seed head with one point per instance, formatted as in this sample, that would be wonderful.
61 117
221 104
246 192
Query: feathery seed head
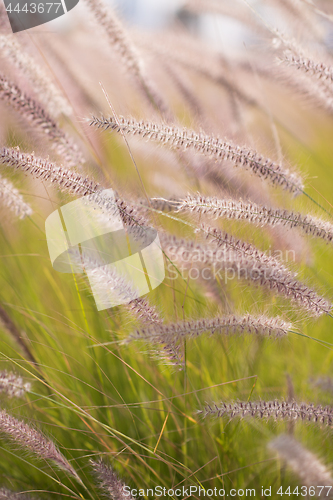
6 494
47 91
275 276
32 439
73 183
35 113
110 286
260 215
12 199
109 481
120 40
261 325
324 383
67 180
208 146
116 34
304 463
167 338
12 385
276 410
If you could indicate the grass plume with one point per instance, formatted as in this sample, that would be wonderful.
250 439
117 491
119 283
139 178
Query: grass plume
36 114
11 198
167 339
120 40
305 464
70 182
212 147
6 494
260 325
19 337
278 279
12 385
110 285
109 481
48 92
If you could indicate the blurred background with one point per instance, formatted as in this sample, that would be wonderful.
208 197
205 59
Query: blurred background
221 29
